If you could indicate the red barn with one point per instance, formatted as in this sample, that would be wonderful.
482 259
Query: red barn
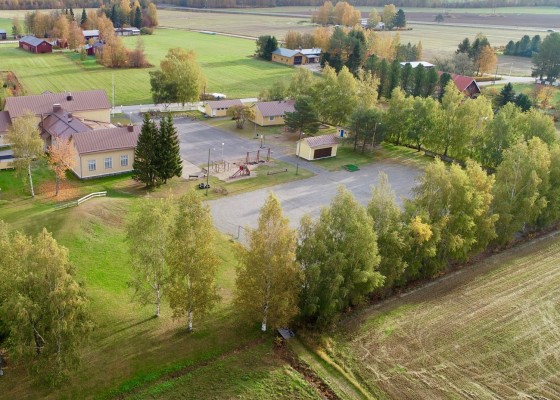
465 84
35 45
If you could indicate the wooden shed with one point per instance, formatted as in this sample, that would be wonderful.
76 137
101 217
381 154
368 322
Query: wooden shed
314 148
35 45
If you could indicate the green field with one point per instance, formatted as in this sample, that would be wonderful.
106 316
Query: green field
488 331
227 63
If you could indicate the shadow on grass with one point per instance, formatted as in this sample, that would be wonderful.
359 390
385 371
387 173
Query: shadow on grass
135 324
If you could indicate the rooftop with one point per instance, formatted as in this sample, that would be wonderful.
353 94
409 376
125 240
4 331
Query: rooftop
106 139
32 40
63 124
274 108
224 103
414 64
284 52
4 121
43 103
462 82
320 141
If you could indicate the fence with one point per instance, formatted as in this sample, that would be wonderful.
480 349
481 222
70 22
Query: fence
76 203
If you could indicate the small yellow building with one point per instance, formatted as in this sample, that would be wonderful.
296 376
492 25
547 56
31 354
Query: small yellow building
104 152
269 113
4 125
314 148
219 108
296 57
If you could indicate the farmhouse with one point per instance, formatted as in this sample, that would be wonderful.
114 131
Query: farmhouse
314 148
272 112
3 34
127 31
465 84
35 45
219 108
296 57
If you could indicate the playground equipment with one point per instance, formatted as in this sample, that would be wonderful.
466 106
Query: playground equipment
254 157
242 171
220 166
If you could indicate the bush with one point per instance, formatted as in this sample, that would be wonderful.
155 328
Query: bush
146 30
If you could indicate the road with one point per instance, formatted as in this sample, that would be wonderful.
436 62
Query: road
505 79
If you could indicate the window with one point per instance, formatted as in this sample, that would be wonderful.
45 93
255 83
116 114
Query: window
91 165
124 161
271 118
108 162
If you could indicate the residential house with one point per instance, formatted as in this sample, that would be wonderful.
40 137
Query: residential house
104 152
414 64
272 112
127 31
35 45
91 34
296 57
3 34
466 84
100 148
317 147
219 108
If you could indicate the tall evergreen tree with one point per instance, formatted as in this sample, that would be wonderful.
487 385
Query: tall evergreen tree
407 78
72 18
304 118
84 18
138 18
169 151
384 73
145 155
432 79
400 19
443 81
507 95
419 80
395 78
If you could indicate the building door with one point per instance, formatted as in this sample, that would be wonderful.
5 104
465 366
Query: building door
297 60
321 153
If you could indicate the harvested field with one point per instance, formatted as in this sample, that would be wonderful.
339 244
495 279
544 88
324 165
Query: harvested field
489 331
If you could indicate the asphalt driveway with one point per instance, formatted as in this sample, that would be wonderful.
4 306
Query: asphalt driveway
233 213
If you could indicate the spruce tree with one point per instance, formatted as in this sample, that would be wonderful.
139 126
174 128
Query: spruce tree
84 18
71 14
138 18
145 166
169 151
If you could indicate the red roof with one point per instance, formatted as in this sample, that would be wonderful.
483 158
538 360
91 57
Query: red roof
320 141
461 81
275 108
106 139
43 103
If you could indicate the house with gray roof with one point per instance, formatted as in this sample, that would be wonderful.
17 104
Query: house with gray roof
35 45
269 113
296 57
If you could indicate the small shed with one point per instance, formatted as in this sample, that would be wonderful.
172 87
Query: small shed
314 148
219 108
3 34
91 34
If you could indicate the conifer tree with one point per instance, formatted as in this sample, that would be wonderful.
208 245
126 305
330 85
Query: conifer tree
145 155
192 260
169 151
138 18
268 278
84 18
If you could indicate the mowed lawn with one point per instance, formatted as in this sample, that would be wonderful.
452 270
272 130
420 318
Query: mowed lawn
227 63
490 331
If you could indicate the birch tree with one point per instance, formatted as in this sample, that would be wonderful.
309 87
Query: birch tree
26 144
148 234
192 260
268 278
44 306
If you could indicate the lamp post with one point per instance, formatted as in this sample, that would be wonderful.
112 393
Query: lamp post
222 151
208 171
297 151
130 116
262 138
373 137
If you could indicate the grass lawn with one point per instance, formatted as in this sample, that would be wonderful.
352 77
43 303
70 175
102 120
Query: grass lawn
6 24
489 331
227 63
130 351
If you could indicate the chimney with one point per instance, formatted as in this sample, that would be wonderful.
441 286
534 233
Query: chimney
69 97
130 127
56 107
69 117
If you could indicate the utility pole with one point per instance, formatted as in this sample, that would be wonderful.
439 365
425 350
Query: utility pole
208 171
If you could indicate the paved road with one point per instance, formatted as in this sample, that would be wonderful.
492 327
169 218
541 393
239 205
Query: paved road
309 195
508 79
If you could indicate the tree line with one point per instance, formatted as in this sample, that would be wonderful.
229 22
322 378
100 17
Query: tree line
524 47
368 3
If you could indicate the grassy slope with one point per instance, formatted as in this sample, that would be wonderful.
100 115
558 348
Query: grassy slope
489 331
225 61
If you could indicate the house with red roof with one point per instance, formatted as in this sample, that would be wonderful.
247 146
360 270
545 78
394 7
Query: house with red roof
466 84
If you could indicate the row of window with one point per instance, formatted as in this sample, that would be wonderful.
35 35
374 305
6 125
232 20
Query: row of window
92 164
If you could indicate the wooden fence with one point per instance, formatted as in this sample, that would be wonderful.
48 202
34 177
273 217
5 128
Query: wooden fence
76 203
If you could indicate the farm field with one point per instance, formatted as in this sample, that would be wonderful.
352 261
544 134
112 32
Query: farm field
130 353
227 62
488 331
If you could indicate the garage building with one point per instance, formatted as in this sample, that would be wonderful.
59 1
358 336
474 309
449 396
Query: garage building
314 148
